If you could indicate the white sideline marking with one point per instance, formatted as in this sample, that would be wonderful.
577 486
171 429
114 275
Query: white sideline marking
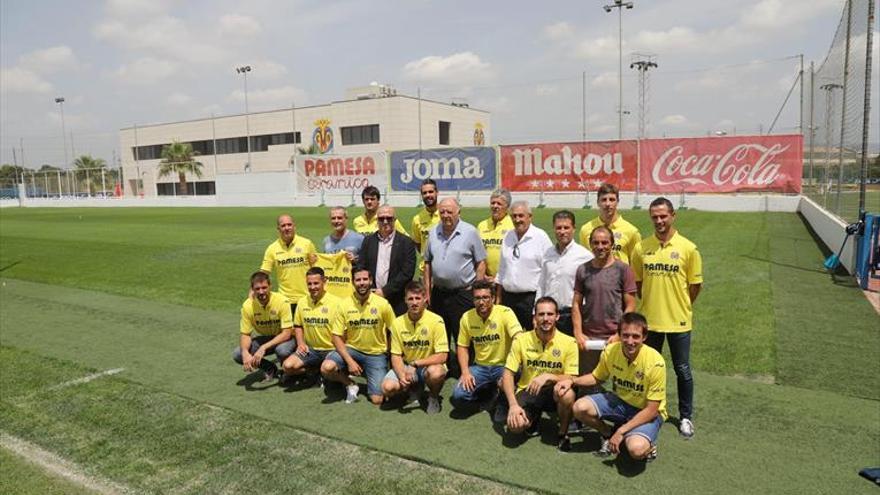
88 378
58 466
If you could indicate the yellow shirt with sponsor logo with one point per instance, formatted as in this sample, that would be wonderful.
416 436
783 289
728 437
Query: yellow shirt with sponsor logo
492 235
365 326
418 340
626 237
557 357
290 264
367 227
665 272
491 338
268 320
421 225
637 382
319 320
337 271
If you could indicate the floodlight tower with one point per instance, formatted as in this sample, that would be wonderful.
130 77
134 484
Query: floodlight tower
643 62
243 70
619 5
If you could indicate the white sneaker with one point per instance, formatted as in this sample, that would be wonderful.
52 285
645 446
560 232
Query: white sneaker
414 395
433 405
351 393
686 428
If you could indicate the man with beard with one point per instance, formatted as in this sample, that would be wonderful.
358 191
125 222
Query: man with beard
493 229
265 328
362 340
427 217
626 235
317 317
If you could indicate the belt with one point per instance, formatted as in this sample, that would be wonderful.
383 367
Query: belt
444 289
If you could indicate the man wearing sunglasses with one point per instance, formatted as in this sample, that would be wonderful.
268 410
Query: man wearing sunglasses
390 256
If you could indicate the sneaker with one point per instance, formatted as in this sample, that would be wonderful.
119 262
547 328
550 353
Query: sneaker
564 443
605 450
533 430
270 374
686 428
500 415
652 455
414 396
351 394
575 426
433 405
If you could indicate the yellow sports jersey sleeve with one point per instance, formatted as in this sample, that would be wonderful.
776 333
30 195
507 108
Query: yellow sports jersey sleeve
318 321
464 336
365 327
638 382
572 355
695 267
511 323
268 259
282 305
600 372
664 271
514 357
246 325
439 338
396 337
492 235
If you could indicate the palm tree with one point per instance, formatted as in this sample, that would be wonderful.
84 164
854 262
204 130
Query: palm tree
91 169
311 150
177 158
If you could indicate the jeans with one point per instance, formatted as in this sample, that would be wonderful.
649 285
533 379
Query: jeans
282 350
485 378
375 367
680 349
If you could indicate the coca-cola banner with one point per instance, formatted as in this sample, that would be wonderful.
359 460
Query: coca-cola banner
722 164
340 173
560 167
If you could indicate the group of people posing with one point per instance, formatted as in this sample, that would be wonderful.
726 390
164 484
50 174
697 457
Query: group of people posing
525 324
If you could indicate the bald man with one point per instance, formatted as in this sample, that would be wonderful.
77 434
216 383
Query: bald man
289 257
390 257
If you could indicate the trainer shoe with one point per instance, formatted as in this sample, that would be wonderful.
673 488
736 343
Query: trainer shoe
270 374
564 443
415 394
351 393
575 426
652 455
433 405
534 429
605 450
686 428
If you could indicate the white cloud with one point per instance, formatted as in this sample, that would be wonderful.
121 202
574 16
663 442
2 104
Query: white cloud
145 70
137 9
599 48
18 80
164 36
267 69
179 99
676 119
271 98
605 80
49 60
239 26
561 31
676 38
546 89
459 68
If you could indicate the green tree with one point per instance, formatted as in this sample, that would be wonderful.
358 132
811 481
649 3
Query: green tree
177 158
312 149
88 169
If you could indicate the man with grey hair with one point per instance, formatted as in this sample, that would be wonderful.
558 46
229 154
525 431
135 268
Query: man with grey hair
522 255
390 257
341 238
493 229
454 260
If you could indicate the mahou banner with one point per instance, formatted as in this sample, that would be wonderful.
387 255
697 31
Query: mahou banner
561 167
340 173
723 164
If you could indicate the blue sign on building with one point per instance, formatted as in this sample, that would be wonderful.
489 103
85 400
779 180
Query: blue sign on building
454 169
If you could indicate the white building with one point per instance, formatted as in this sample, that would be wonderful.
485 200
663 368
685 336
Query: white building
372 118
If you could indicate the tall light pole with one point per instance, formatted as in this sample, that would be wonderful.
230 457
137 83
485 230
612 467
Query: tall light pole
619 5
60 102
829 111
243 70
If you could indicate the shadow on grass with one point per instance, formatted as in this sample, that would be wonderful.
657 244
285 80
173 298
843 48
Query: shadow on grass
7 267
253 382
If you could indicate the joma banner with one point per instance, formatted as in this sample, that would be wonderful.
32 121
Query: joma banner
563 167
454 169
723 164
340 173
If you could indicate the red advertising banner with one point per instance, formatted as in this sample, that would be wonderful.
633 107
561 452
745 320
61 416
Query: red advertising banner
722 164
561 167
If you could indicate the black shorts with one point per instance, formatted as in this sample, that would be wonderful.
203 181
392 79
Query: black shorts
534 405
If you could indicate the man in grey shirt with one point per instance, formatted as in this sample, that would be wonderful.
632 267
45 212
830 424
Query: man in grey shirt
454 259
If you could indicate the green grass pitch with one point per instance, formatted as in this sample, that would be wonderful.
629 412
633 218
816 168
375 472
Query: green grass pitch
787 370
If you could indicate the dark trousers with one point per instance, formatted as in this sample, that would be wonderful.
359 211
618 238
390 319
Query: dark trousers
564 324
451 304
523 306
680 349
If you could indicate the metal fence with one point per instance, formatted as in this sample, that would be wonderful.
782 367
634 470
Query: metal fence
75 183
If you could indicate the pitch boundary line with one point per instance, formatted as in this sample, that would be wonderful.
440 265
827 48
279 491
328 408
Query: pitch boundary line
88 378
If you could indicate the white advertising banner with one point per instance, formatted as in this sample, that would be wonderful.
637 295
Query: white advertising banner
340 173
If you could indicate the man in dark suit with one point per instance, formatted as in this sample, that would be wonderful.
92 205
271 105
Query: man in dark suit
391 258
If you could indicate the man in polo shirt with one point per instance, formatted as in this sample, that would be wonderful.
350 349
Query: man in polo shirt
367 223
426 217
317 317
543 357
626 235
669 275
493 229
362 340
561 262
341 238
522 254
490 328
265 328
636 405
454 260
418 350
289 257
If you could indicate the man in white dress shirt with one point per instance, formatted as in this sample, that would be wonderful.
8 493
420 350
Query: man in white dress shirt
561 263
522 254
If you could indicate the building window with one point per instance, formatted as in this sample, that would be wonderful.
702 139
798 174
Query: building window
262 143
225 146
232 145
444 132
202 188
360 134
149 152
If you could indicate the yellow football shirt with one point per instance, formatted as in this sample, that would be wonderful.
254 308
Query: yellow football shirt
492 235
319 320
491 338
337 271
418 340
558 357
635 383
626 237
365 326
665 272
269 320
421 224
290 264
367 227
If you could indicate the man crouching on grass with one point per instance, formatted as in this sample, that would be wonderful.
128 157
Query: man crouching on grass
636 407
266 327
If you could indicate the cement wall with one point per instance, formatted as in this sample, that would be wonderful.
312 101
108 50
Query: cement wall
830 229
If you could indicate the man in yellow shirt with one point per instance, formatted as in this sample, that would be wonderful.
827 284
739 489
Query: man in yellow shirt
362 340
636 405
265 328
493 229
626 235
289 257
427 217
669 275
491 329
418 350
543 356
317 317
367 223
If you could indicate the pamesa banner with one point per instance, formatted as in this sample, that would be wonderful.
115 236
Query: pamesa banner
340 173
